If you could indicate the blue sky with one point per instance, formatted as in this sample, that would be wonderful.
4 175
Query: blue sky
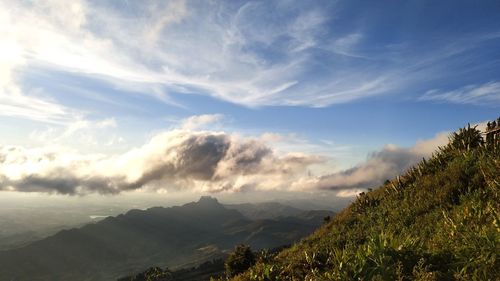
344 81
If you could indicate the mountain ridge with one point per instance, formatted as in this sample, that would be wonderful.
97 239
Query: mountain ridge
158 236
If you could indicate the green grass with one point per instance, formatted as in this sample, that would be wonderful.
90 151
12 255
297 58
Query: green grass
438 221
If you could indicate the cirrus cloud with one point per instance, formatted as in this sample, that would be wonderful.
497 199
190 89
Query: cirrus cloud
288 54
483 94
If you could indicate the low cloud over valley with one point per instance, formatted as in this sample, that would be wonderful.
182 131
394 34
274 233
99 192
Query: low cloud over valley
174 160
206 161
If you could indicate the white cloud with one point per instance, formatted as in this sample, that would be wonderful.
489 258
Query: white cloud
13 103
25 37
483 94
174 160
79 125
174 12
81 133
347 193
199 121
184 47
346 45
13 57
205 161
211 48
381 165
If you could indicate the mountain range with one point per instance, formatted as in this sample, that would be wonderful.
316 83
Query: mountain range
176 237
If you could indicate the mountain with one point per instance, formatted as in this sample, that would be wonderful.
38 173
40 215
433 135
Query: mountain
173 237
438 221
266 210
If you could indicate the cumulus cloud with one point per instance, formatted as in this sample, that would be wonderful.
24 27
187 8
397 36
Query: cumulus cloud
174 160
205 161
381 165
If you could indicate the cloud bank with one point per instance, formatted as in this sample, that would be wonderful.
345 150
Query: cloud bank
174 160
199 161
382 165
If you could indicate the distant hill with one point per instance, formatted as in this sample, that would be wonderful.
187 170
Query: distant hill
438 221
267 210
175 237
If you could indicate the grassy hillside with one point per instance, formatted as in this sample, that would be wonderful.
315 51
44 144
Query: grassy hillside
439 221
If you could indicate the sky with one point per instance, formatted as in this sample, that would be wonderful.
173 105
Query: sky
235 97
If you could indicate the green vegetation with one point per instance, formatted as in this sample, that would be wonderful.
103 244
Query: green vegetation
240 260
438 221
152 274
201 272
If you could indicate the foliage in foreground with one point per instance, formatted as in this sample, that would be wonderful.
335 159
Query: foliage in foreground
239 260
202 272
438 221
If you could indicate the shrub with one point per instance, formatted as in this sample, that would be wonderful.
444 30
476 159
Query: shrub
240 260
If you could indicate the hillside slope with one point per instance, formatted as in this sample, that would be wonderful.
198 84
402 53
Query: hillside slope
438 221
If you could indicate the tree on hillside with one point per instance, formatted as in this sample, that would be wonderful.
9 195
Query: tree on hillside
239 260
151 274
